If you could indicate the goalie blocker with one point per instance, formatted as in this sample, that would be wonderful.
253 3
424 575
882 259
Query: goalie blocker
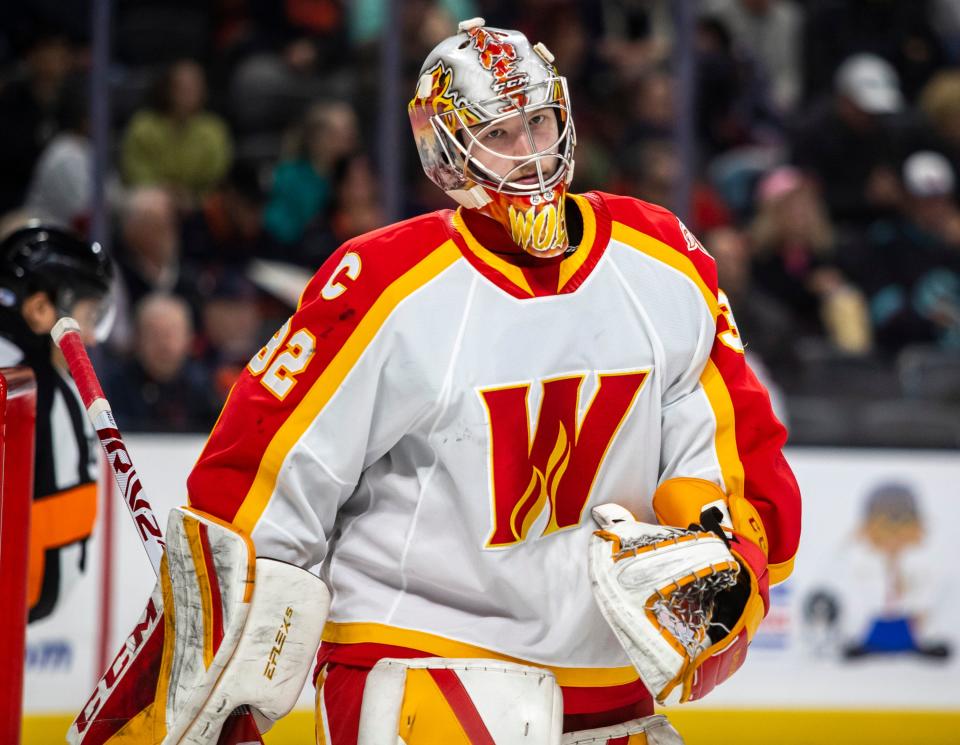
684 597
221 629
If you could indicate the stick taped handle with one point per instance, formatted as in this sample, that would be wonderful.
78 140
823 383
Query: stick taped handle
66 335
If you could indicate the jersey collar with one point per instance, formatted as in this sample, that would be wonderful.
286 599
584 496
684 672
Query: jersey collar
523 276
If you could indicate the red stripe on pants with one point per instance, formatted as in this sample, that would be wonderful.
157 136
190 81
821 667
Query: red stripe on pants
462 705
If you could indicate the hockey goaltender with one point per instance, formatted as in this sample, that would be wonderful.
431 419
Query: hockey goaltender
516 442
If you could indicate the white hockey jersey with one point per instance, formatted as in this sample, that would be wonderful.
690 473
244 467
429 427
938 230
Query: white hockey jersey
435 422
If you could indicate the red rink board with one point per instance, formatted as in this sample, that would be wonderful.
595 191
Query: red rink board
17 419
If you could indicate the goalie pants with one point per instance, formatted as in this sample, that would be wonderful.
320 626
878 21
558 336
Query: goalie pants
340 694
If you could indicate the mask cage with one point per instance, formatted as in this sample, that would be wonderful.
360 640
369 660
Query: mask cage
551 94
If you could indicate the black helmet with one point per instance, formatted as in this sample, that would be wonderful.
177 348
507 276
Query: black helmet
40 257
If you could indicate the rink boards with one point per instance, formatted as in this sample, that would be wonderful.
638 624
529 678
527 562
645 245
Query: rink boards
862 643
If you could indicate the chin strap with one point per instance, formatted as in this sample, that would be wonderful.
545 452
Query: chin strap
473 198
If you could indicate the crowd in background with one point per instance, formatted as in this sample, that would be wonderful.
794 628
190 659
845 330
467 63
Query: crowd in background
827 156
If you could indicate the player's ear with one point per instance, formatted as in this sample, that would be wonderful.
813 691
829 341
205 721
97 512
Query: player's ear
39 312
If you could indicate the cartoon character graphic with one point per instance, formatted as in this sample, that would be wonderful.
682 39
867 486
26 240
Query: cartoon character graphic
885 586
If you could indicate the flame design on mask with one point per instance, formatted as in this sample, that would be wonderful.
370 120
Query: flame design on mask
438 96
500 59
441 98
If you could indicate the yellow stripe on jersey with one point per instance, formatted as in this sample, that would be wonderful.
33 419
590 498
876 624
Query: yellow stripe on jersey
731 467
671 257
571 265
378 633
330 379
508 270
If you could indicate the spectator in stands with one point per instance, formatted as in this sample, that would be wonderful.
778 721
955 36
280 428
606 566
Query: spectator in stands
426 19
765 324
650 171
355 208
770 31
28 108
231 330
227 229
275 58
850 146
149 247
945 19
630 38
793 244
940 104
302 182
731 106
911 266
308 37
62 183
899 32
650 110
177 143
159 388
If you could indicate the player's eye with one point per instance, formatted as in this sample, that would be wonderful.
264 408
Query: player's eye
537 119
494 134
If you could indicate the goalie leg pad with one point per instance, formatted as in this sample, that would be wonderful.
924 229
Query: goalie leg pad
433 699
275 653
652 730
215 619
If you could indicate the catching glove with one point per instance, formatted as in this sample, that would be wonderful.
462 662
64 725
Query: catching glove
685 597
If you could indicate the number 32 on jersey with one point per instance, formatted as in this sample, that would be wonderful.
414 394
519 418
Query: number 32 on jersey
280 370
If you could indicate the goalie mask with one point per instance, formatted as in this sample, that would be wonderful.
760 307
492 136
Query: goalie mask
491 119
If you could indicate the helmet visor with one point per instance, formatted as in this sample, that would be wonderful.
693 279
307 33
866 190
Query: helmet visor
94 312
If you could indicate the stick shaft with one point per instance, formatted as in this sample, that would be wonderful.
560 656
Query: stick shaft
66 335
240 728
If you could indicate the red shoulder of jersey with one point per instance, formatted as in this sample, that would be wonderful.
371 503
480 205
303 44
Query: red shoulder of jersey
290 380
660 224
384 254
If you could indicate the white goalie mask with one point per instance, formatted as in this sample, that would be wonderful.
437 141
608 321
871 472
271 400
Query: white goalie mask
491 118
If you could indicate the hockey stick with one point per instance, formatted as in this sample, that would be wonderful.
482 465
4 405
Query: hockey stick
240 728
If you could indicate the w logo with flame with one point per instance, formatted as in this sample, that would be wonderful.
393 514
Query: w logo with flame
555 469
